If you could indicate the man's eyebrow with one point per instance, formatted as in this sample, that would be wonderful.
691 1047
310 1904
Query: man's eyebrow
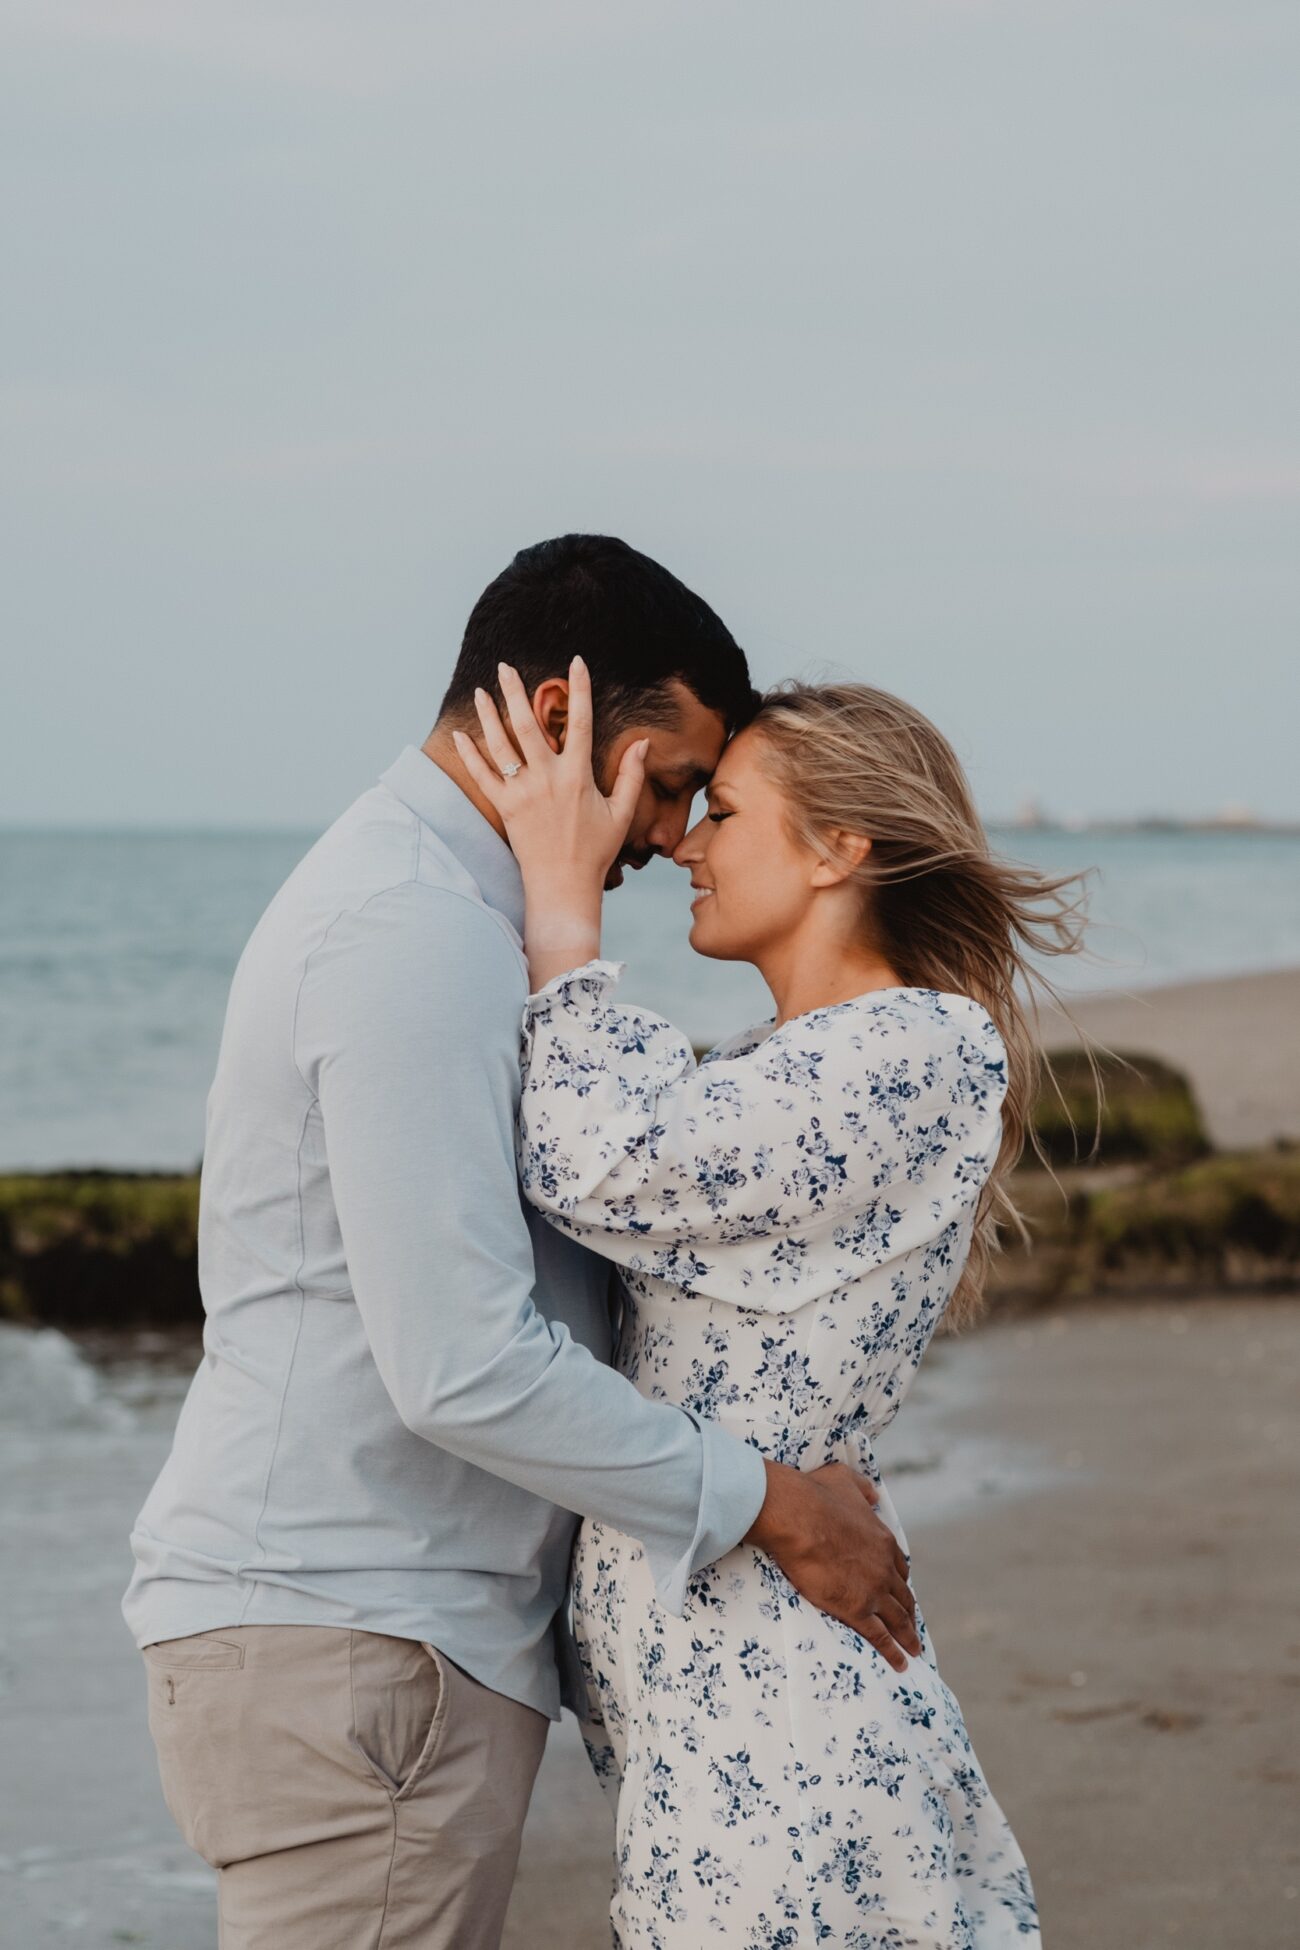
693 775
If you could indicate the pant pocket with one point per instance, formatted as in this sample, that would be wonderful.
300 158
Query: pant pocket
204 1652
399 1706
428 1753
189 1699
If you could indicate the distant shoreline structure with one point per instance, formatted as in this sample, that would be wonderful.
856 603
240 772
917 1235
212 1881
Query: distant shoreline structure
1032 817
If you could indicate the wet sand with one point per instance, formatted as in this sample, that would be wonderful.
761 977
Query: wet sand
1237 1039
1103 1508
1127 1645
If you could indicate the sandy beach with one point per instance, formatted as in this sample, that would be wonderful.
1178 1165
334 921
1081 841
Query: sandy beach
1238 1040
1125 1645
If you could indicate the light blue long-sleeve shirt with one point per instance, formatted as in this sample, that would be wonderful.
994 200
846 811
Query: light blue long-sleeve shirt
404 1398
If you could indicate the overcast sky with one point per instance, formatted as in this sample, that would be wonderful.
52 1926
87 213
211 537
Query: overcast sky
949 345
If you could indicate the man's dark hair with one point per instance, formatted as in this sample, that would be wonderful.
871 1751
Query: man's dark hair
636 626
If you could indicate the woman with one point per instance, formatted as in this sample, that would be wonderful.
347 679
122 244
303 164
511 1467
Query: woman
792 1216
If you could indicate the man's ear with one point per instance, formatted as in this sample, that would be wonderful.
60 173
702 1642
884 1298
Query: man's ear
850 850
551 710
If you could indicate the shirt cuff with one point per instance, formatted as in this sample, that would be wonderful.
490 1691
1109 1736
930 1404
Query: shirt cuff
731 1496
594 977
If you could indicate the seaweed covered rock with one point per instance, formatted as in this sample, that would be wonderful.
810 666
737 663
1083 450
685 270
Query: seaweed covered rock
93 1250
1149 1113
1220 1225
1225 1222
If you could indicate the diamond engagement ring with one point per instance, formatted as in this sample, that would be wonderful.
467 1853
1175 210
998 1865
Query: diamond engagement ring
508 771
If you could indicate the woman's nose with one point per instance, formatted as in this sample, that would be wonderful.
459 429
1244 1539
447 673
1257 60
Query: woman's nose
691 847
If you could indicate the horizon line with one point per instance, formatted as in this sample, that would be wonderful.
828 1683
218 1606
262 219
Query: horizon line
1149 822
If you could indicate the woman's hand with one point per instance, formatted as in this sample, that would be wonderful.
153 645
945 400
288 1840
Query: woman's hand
564 832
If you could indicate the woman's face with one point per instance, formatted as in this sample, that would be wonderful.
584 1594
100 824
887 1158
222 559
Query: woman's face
754 881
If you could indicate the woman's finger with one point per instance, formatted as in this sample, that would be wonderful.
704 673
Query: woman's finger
495 735
577 739
528 733
488 782
627 786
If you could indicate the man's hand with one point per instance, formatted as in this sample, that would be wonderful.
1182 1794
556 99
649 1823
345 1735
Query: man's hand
822 1529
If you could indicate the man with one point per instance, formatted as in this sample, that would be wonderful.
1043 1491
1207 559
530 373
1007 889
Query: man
350 1574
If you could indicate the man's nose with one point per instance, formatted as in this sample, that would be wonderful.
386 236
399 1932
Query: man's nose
666 835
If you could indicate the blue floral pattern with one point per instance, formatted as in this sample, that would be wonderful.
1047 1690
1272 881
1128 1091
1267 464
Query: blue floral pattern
791 1216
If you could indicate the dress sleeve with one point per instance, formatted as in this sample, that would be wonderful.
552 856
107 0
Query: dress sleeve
843 1139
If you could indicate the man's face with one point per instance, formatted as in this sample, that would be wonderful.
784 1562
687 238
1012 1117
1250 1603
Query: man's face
679 763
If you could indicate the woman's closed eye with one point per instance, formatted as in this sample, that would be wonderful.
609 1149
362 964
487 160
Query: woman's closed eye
718 817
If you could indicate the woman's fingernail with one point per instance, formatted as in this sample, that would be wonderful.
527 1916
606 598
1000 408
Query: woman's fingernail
579 663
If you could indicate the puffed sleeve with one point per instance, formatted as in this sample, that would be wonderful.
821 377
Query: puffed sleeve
771 1176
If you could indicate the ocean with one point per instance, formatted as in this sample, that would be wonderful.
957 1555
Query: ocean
116 952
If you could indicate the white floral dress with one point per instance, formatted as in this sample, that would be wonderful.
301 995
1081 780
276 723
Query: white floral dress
791 1217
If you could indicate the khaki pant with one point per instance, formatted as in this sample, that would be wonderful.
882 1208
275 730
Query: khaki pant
354 1792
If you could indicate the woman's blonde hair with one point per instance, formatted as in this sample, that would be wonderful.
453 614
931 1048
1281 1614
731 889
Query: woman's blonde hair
940 906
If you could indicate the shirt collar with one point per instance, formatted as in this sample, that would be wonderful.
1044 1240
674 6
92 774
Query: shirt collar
443 807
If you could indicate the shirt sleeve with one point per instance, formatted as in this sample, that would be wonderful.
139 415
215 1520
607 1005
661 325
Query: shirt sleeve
407 1034
768 1178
